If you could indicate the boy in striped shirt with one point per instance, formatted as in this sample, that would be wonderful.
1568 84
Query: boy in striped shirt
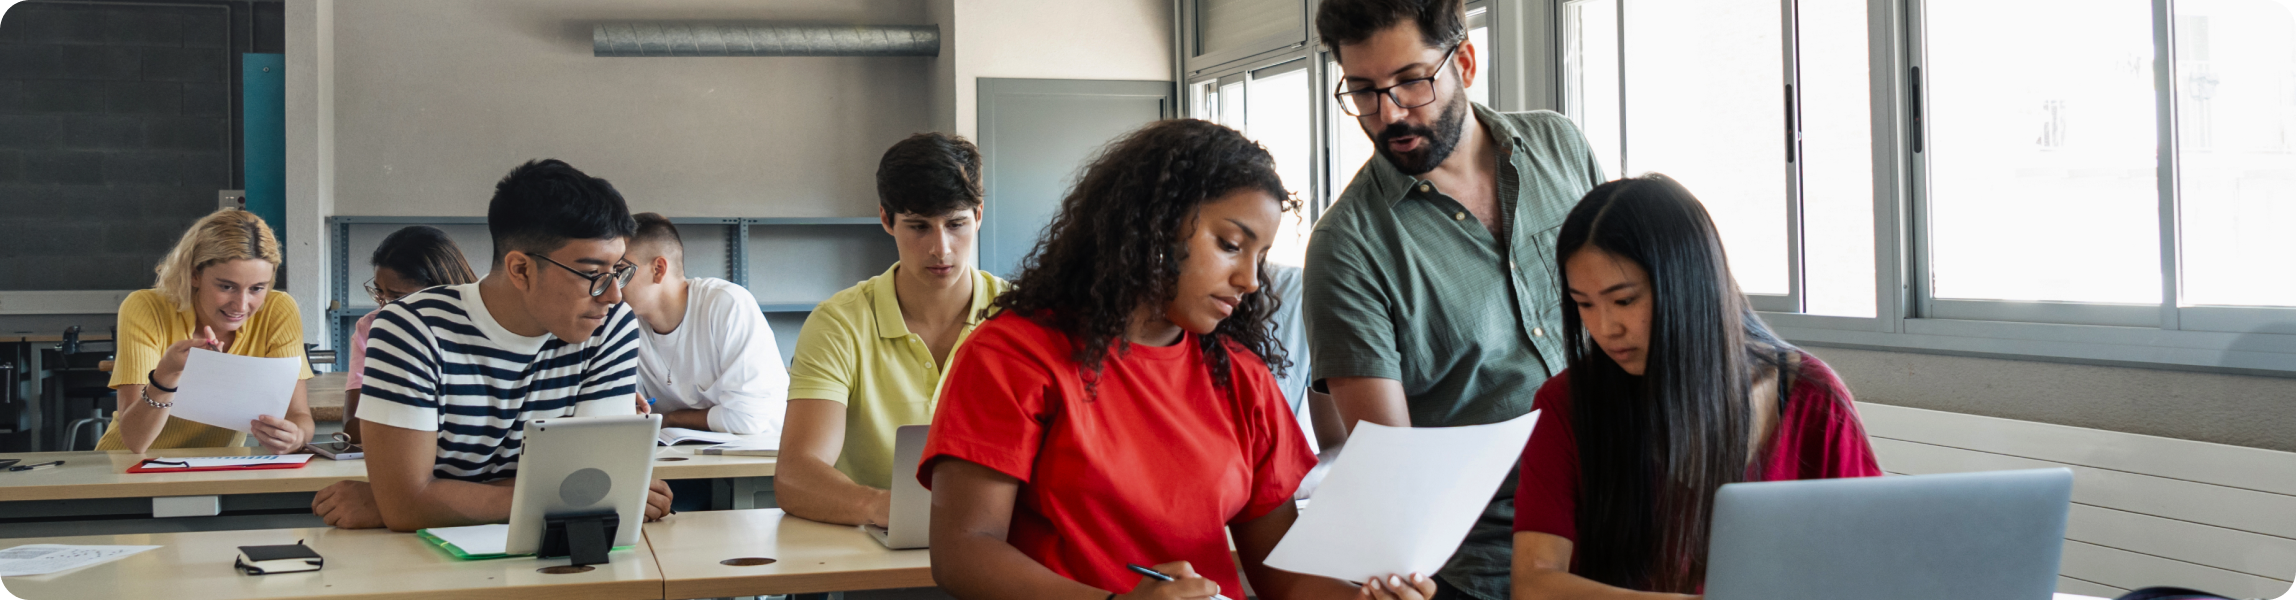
454 372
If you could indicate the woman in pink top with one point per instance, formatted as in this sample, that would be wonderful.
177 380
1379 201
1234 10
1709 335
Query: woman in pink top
409 260
1674 388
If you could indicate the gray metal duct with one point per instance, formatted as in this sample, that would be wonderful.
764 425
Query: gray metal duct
763 39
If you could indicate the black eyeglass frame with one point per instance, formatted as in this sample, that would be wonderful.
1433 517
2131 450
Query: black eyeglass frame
620 275
1348 106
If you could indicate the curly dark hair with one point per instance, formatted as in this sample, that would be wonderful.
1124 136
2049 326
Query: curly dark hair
1119 239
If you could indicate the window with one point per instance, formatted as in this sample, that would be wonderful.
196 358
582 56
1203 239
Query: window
1835 105
2104 180
2041 167
2236 122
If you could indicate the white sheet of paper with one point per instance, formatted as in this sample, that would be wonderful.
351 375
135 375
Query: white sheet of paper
229 461
1400 499
671 436
43 559
230 391
476 539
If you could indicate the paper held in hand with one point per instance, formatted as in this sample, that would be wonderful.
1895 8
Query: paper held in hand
230 391
1400 499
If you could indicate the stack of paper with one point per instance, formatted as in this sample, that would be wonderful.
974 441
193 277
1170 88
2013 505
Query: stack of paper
42 559
748 448
672 436
1401 499
223 461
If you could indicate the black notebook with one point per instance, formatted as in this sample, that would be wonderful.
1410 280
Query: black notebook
285 558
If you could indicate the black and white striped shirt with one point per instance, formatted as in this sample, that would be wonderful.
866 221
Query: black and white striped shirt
437 361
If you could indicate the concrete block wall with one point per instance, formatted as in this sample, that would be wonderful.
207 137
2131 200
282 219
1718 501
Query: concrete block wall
116 130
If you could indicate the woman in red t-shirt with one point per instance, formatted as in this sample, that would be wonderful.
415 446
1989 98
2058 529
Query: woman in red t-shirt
1674 389
1119 407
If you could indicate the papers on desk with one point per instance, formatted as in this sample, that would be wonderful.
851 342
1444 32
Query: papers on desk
230 391
1400 499
224 462
672 436
43 559
749 448
476 542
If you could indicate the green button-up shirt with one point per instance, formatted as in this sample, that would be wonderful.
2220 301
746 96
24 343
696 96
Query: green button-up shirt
1404 283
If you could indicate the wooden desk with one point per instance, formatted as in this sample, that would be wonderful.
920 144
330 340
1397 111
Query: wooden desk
365 564
809 557
87 475
325 392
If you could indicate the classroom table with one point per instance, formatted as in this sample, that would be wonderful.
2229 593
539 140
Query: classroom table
95 486
325 393
373 564
693 550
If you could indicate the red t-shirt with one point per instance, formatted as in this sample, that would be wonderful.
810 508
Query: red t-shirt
1818 437
1149 470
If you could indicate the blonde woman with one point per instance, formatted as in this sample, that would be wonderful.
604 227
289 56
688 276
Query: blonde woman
214 293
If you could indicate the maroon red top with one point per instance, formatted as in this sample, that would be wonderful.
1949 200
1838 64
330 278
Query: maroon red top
1819 437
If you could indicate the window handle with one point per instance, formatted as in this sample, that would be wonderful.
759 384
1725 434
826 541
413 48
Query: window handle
1913 100
1793 138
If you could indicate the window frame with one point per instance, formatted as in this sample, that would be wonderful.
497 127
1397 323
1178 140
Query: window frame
1525 72
2169 335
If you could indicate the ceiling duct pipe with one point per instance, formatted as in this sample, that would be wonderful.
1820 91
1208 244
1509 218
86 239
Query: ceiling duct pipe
763 39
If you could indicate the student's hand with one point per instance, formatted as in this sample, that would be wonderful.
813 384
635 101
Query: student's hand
658 501
280 436
1397 587
348 505
643 407
1185 583
881 508
171 362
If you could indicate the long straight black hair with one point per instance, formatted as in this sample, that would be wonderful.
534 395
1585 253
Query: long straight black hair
1654 449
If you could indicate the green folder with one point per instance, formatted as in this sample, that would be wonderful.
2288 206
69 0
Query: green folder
459 554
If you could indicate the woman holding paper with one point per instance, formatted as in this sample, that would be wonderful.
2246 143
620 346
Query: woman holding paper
1119 408
1674 388
214 293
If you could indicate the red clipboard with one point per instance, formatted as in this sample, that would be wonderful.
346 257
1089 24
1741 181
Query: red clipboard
140 468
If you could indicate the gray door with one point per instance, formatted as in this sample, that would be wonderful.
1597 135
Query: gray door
1036 136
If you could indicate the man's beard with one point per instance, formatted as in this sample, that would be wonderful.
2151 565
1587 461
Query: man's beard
1436 144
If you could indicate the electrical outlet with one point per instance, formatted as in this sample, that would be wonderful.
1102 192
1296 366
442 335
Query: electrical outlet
231 199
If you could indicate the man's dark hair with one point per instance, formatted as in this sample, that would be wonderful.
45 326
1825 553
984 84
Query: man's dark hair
543 204
929 174
1345 22
653 228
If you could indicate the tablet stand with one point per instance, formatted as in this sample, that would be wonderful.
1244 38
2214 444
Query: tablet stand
584 537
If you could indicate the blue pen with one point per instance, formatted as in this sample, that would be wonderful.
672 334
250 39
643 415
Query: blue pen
1152 574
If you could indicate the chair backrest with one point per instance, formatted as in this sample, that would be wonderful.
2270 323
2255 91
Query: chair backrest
2147 511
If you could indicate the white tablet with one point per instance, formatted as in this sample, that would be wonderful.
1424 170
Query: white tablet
578 465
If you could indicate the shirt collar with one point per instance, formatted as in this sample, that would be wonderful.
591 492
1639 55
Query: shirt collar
888 304
1391 184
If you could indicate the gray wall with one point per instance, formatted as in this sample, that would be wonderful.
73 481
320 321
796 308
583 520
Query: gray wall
2240 410
115 133
436 99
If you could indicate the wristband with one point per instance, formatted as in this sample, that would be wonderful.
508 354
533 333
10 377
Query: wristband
153 380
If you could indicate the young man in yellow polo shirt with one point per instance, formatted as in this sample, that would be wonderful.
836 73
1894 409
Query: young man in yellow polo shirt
871 357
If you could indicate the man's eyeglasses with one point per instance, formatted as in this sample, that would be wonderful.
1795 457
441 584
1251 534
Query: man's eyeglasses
620 275
1406 94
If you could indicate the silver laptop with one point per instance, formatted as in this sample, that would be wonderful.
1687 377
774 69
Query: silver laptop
579 465
1990 535
912 513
